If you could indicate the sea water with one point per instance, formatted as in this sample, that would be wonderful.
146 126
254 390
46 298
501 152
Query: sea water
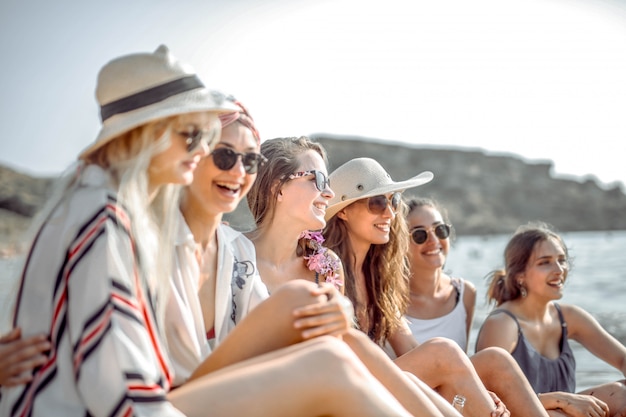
597 283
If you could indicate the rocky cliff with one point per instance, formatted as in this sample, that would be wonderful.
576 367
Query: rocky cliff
483 193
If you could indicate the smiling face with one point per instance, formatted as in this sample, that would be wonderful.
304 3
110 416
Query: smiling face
433 252
366 228
299 197
176 165
219 191
546 270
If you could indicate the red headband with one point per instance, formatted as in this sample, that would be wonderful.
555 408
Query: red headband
242 116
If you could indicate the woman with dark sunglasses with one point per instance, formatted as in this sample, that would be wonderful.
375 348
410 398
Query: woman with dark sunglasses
366 228
220 317
439 305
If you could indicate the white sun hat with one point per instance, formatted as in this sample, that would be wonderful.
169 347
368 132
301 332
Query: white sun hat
365 177
142 87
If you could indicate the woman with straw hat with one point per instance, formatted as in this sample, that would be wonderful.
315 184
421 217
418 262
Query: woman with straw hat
93 269
366 228
98 270
220 315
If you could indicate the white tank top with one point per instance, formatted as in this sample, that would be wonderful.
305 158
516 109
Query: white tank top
452 325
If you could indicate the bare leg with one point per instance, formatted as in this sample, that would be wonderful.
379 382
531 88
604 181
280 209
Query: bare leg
613 394
266 328
502 375
293 381
391 376
443 366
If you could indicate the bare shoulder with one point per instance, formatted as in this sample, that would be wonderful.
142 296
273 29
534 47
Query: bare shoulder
469 286
498 329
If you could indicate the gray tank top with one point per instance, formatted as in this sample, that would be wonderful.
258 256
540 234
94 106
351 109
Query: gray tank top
545 375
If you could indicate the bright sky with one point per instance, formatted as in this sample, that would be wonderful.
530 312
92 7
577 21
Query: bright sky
544 79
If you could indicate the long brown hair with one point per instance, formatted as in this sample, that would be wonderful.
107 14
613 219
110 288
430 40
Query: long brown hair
386 273
503 285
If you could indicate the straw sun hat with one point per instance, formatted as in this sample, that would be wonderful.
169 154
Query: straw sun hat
139 88
365 177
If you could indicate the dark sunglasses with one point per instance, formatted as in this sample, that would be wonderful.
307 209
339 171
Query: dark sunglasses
226 158
321 180
194 137
420 234
378 203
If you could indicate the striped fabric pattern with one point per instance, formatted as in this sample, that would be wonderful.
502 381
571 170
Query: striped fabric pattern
81 285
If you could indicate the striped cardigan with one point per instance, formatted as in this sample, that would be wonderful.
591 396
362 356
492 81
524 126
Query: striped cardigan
81 285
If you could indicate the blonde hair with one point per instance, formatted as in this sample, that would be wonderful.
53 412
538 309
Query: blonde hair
127 159
386 273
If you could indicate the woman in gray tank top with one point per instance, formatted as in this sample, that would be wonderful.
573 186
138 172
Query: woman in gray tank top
535 329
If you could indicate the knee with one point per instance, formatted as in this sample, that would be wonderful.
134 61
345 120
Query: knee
445 351
495 357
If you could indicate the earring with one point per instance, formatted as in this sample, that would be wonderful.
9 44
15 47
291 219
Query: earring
522 289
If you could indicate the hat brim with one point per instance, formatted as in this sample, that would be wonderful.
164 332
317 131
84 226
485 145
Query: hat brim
193 101
413 182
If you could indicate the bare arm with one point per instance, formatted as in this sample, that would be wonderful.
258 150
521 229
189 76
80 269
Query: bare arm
469 300
586 330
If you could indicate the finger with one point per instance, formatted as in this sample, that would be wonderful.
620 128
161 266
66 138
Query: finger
319 320
25 349
14 334
325 330
17 380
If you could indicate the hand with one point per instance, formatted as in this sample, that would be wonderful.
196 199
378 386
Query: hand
18 356
501 410
331 317
577 405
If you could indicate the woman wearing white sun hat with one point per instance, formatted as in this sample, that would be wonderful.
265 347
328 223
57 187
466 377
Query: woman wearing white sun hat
98 270
366 227
95 265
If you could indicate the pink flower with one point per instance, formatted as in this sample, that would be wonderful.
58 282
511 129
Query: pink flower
320 260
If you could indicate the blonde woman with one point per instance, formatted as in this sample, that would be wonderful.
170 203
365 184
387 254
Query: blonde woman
98 271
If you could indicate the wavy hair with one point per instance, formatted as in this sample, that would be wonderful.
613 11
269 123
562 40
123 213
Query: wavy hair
386 273
503 285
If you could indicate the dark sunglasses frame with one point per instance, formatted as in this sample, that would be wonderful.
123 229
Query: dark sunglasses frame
194 137
420 234
321 180
378 203
226 158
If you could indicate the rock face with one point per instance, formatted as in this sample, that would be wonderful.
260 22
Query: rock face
483 193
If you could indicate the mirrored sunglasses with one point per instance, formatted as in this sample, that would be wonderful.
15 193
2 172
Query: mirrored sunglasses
321 180
420 234
226 158
194 137
378 203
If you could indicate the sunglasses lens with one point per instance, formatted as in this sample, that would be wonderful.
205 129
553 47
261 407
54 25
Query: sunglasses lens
419 236
224 158
377 204
250 162
442 231
320 180
395 201
193 139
